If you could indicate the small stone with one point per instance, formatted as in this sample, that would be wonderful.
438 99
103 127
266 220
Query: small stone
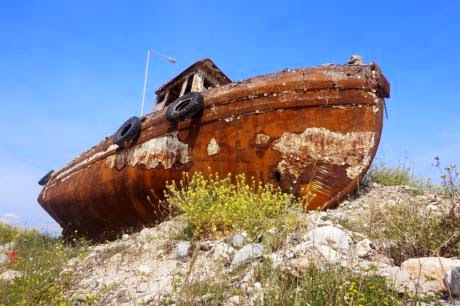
183 249
238 240
276 260
380 258
452 281
247 254
363 248
330 236
233 301
4 259
432 207
223 251
9 275
204 246
301 249
125 237
144 270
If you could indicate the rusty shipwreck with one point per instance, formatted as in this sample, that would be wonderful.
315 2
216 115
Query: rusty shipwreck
311 131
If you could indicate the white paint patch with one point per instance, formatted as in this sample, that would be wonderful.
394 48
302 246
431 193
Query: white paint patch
83 163
160 151
213 147
320 144
262 139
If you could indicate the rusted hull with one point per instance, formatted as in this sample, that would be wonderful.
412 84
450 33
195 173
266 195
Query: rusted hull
313 132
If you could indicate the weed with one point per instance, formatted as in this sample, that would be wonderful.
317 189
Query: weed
40 258
409 229
216 206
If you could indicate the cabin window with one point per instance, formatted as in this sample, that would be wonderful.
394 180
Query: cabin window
207 84
189 84
160 98
174 93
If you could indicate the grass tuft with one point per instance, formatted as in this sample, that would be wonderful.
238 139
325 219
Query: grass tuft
40 258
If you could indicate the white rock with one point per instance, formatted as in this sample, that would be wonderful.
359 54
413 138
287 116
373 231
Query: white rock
430 271
330 236
363 248
145 269
125 237
247 254
329 254
5 248
223 251
233 301
183 249
302 249
9 275
452 281
398 278
276 260
238 240
4 259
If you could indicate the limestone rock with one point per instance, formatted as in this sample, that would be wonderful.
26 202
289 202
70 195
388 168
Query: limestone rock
183 249
237 240
330 236
452 281
363 248
9 275
4 259
223 251
430 271
247 254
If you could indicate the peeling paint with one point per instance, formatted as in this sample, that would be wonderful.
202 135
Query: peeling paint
262 139
160 151
213 147
83 163
320 144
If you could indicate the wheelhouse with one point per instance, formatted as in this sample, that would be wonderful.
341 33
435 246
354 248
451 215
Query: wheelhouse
199 77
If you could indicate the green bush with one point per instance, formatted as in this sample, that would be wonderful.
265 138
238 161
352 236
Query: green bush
391 176
40 258
216 206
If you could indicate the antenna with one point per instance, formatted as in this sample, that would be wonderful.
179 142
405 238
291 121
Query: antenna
169 59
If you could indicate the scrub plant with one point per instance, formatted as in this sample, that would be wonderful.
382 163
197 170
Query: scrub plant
216 206
40 258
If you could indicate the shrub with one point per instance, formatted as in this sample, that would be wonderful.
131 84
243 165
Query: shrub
314 285
40 258
410 229
392 176
216 206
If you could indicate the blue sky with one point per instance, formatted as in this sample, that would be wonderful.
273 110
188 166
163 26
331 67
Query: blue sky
72 71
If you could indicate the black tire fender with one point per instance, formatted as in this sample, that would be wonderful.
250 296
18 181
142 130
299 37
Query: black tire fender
127 131
45 178
185 107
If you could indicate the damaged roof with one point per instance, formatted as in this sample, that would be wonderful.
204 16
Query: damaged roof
205 65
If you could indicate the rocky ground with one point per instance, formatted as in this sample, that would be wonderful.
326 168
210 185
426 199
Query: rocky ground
151 267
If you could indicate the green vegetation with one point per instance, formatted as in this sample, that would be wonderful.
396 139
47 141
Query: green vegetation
215 206
327 285
410 229
40 258
397 176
